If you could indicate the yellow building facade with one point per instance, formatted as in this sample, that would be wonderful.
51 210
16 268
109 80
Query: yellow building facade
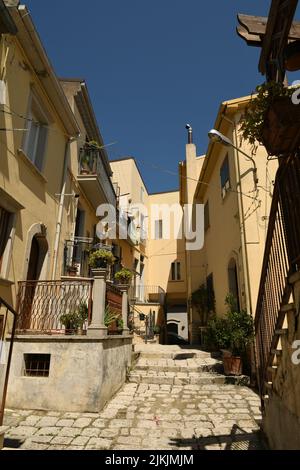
236 191
35 144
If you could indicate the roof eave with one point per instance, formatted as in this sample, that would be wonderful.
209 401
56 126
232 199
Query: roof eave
230 105
28 36
7 24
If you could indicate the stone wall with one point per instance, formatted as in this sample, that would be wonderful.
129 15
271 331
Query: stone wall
281 421
84 372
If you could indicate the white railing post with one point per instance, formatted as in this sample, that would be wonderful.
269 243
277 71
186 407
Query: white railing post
124 289
97 327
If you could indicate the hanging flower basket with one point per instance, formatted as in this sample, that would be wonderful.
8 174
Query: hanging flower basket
272 119
281 130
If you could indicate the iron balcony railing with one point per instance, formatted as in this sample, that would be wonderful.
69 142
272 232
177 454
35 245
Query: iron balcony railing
42 305
76 256
8 319
147 294
91 164
281 259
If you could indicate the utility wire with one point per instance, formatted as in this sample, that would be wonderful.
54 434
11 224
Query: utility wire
11 112
78 139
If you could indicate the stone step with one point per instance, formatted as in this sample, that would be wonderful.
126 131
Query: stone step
157 351
178 356
215 367
172 378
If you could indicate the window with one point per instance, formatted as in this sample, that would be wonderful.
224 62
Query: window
176 271
225 177
36 136
206 216
158 230
5 222
37 365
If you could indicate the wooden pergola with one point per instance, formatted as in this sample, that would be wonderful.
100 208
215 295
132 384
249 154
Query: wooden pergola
272 34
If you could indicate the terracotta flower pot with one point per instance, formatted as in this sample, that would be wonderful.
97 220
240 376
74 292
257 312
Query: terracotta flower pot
232 365
281 133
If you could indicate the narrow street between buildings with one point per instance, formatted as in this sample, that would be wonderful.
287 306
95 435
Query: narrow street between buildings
175 399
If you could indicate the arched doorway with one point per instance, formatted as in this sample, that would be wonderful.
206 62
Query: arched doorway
36 265
37 258
233 281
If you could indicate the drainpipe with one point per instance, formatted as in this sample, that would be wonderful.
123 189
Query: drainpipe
61 208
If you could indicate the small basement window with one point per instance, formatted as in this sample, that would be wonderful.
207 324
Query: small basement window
37 365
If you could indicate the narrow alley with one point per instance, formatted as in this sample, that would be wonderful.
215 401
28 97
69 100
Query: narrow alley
175 399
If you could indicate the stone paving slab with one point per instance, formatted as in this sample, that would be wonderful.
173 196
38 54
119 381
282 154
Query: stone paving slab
148 416
170 403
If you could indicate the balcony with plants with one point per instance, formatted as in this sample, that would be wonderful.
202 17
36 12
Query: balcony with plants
93 177
77 256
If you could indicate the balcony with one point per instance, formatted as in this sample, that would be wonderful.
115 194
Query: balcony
41 304
76 256
147 295
94 179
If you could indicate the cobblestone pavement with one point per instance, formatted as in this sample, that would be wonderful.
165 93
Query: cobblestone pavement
180 415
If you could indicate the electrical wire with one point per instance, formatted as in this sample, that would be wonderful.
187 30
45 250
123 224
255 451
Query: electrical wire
37 123
12 112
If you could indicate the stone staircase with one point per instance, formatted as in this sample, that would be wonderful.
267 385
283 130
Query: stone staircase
172 365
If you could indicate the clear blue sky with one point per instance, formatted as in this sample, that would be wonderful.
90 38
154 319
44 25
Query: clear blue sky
151 67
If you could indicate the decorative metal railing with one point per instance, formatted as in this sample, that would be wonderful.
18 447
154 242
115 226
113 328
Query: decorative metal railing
76 256
281 258
8 318
147 294
91 164
42 306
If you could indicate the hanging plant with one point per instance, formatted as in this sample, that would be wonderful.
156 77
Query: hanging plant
272 119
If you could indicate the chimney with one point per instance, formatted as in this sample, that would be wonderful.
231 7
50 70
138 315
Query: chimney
190 133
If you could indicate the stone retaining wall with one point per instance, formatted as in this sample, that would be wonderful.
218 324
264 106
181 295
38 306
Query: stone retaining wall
84 372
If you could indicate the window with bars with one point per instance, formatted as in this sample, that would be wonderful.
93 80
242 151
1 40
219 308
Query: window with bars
176 271
37 365
5 219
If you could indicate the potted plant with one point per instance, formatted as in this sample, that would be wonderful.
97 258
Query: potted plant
70 322
82 317
204 302
232 335
120 324
272 119
157 330
110 320
72 270
123 276
101 258
84 163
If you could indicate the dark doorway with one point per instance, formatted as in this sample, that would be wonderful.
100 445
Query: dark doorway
233 281
172 328
36 266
